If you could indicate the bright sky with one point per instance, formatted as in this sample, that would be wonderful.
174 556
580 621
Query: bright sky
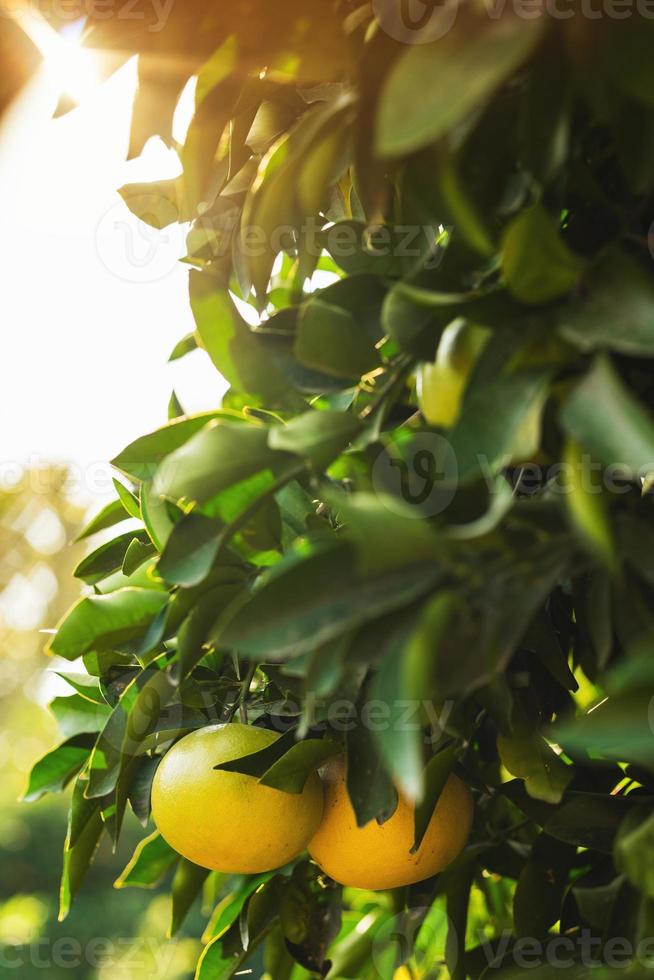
87 329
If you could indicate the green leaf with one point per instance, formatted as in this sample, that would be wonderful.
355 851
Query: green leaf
186 886
185 346
106 559
603 416
229 909
134 717
634 850
383 530
369 784
381 250
626 57
529 757
537 264
142 457
85 827
233 346
616 310
194 631
128 500
541 887
330 340
316 600
101 621
586 505
111 514
459 884
87 686
616 729
475 54
191 550
149 864
156 203
141 788
138 552
257 763
397 688
77 715
54 771
157 515
175 408
494 418
317 436
436 774
291 771
216 458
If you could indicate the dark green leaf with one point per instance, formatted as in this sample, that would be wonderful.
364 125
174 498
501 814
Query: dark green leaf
319 599
330 340
603 416
85 826
499 421
436 774
474 53
291 771
186 886
537 264
616 309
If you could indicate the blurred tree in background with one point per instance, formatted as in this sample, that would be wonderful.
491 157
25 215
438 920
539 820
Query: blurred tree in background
114 934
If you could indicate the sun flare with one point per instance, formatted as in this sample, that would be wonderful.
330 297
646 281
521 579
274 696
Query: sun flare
69 68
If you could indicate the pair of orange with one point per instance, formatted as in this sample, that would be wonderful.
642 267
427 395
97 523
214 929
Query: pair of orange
229 822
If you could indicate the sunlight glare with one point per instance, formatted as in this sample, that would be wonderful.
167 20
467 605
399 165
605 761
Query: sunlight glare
69 67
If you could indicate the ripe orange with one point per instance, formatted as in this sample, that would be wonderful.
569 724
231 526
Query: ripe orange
228 821
376 857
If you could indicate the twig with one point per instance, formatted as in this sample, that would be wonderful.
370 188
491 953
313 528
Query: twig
245 690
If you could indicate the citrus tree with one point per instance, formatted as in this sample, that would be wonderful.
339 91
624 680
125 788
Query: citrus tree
416 535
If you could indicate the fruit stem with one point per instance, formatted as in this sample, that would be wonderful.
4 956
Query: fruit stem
245 690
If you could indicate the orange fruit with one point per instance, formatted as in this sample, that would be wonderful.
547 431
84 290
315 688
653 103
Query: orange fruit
379 856
227 821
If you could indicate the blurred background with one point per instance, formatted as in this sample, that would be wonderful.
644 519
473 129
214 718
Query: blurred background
89 297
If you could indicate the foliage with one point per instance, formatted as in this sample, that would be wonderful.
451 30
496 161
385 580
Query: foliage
315 550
